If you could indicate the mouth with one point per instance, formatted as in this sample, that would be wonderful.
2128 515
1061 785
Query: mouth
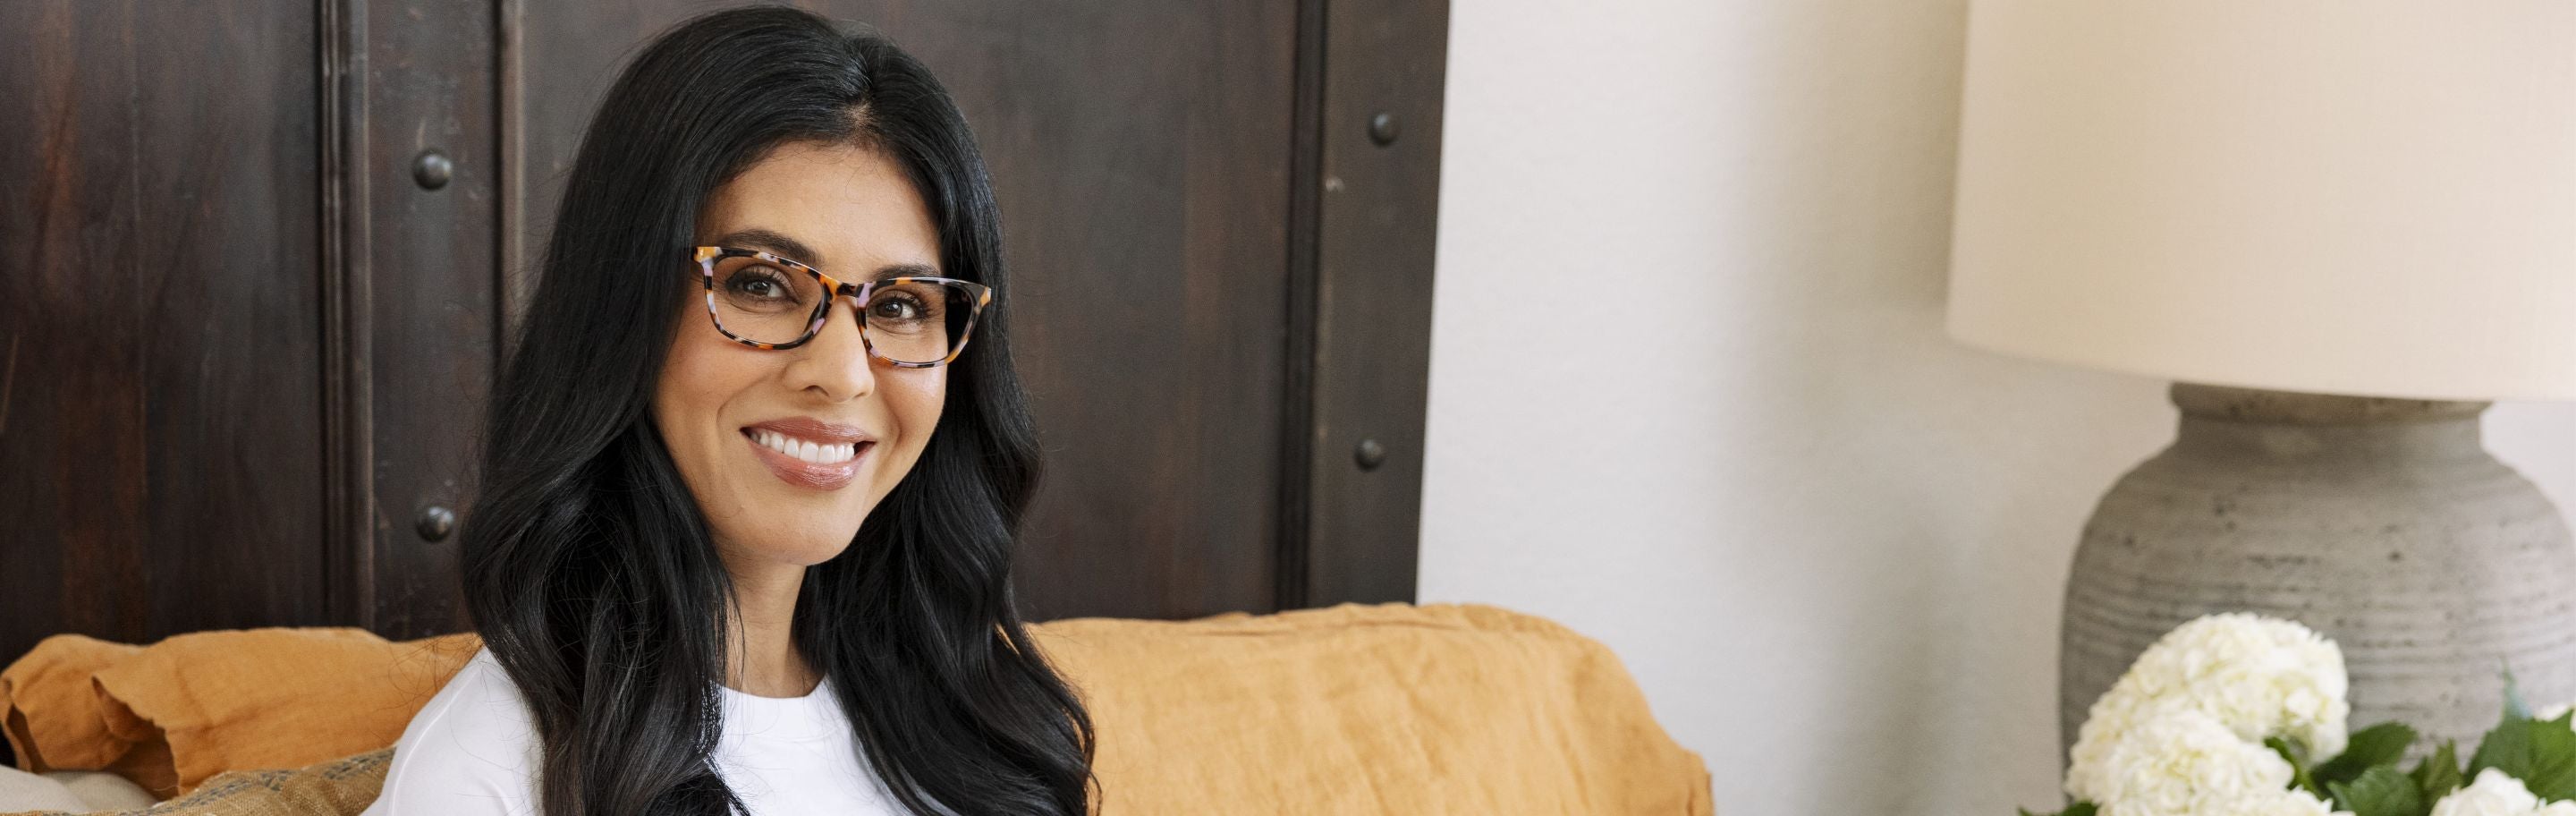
808 454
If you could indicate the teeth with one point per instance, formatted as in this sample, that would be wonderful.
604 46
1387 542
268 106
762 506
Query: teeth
805 450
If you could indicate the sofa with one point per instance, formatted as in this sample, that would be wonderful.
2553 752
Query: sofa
1353 709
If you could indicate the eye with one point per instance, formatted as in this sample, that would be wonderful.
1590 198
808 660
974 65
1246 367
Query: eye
897 305
757 283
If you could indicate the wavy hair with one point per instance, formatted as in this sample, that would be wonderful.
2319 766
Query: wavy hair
587 566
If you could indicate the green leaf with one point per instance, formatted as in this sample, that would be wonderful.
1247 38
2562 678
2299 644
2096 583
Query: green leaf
2380 791
2438 775
2382 744
2541 754
2297 753
2077 809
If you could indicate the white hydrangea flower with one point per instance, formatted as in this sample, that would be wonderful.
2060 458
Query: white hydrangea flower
2273 803
2495 794
2258 677
2277 803
2179 761
2553 712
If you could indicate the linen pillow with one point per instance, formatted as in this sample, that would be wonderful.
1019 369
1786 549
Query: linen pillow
23 791
171 715
339 787
1388 708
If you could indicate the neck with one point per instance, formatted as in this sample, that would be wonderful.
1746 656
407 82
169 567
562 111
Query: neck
760 656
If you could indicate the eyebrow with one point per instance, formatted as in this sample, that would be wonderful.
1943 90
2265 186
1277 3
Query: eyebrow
778 243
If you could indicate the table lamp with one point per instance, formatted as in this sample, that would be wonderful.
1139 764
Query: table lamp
2340 228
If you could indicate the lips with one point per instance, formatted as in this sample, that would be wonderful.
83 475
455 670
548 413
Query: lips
807 430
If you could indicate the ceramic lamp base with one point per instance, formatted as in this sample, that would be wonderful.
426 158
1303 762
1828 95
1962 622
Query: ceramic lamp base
2381 523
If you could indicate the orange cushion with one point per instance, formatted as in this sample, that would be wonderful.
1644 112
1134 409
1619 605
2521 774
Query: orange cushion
173 714
1388 708
52 694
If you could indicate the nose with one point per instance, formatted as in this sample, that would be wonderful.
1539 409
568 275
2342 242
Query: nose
834 364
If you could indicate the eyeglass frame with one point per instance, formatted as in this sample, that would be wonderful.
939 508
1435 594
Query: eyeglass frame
705 257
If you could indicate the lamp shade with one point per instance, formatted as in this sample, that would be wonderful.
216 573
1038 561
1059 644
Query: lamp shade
2366 197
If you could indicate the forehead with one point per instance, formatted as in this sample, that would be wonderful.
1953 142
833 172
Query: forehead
852 208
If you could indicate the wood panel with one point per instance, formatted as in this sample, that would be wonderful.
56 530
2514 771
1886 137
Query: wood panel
1377 199
160 373
1145 196
427 269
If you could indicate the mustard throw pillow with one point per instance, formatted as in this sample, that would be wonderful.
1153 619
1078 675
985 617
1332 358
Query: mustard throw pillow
1355 709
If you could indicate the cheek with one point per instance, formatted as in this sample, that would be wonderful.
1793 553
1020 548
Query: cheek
684 390
699 378
916 402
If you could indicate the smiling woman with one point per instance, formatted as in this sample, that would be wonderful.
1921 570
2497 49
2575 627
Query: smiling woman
749 503
786 448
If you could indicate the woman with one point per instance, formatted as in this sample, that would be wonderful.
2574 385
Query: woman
748 496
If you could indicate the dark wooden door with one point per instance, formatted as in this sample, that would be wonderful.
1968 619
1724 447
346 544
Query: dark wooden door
162 426
262 259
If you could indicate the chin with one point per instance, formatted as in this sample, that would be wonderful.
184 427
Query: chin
806 556
813 547
817 556
801 545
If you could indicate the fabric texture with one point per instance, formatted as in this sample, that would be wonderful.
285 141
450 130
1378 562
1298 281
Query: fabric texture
331 788
23 791
473 751
1354 709
171 715
1361 709
101 790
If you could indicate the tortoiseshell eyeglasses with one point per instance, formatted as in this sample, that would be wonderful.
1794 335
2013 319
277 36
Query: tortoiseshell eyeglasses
766 301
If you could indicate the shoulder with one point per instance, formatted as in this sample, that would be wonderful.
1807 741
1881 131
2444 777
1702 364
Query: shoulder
471 750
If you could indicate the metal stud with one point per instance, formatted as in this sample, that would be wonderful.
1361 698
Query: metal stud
432 170
1382 128
435 523
1370 454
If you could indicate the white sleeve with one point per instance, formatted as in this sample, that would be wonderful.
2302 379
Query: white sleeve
471 751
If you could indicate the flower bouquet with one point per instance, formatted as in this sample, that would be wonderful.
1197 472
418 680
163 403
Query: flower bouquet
2227 715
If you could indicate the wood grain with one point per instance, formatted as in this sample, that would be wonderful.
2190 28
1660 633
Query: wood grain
159 422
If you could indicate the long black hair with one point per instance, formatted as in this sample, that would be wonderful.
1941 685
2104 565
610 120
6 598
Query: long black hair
587 566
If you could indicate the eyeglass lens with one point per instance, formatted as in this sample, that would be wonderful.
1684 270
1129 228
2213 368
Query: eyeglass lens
909 322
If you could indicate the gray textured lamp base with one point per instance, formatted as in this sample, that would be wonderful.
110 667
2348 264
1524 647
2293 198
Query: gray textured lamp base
2381 523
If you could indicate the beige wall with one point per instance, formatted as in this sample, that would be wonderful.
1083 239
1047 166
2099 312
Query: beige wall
1691 397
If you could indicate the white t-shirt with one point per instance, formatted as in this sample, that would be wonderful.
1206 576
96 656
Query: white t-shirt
473 750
